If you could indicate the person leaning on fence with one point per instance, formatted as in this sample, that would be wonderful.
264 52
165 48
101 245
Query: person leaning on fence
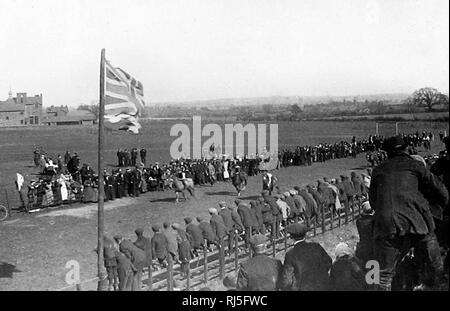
306 265
195 236
172 243
276 213
184 248
245 214
110 260
227 218
207 232
218 226
125 271
159 246
256 207
144 244
260 273
137 257
400 191
346 273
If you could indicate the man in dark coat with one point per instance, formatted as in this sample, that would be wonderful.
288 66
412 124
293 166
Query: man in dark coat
125 271
311 209
256 207
145 244
172 244
260 273
110 262
143 154
184 248
349 192
207 232
225 213
306 265
357 184
218 226
400 191
194 234
159 245
266 212
245 214
276 212
137 258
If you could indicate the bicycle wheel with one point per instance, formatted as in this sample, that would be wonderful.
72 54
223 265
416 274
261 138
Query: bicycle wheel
3 213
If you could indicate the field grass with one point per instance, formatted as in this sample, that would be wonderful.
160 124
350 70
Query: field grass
38 246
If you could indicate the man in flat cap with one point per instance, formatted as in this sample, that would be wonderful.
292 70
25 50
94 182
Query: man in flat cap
218 226
137 258
276 213
159 245
260 273
306 265
364 224
257 211
225 213
184 248
144 244
207 232
194 234
246 216
400 192
172 244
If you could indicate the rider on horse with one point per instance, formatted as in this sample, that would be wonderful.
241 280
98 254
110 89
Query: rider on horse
239 180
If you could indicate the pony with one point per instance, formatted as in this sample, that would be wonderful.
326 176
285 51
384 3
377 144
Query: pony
180 185
239 180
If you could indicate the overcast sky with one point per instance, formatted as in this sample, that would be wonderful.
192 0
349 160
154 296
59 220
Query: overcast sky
191 50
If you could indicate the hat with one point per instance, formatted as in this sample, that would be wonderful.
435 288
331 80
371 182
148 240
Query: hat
166 224
343 176
238 201
286 194
139 231
176 225
297 230
277 196
258 239
297 188
212 210
394 143
366 208
118 237
292 192
222 204
342 249
199 219
264 192
188 220
156 228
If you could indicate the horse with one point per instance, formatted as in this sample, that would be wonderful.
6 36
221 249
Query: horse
270 182
180 185
239 180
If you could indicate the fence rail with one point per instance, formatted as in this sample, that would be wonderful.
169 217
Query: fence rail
214 265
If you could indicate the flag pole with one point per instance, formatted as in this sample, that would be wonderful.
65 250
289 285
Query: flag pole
100 267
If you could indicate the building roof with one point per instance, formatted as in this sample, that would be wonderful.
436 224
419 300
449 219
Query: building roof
71 116
10 106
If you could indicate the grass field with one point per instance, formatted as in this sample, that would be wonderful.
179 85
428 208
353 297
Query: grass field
35 248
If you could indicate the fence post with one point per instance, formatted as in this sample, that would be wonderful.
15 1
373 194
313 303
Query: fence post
221 258
188 276
331 217
285 243
150 278
347 207
353 211
236 254
273 246
339 217
78 287
170 273
205 263
314 225
323 218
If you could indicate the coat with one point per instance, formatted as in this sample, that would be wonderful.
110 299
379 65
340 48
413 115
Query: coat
311 206
207 231
364 248
238 225
260 273
195 235
306 268
246 216
400 191
272 202
225 213
146 245
256 207
218 227
135 254
159 246
172 244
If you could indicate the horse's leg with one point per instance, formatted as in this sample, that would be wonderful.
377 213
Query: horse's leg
191 191
177 199
184 195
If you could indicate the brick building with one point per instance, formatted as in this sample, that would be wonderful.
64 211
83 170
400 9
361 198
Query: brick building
21 110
